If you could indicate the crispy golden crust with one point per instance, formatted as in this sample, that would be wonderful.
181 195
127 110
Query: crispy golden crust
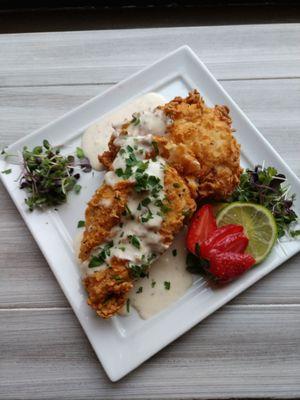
180 202
108 289
107 292
107 158
103 212
200 145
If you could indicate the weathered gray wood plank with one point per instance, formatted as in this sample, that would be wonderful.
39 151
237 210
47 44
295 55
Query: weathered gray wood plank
244 51
30 283
239 352
273 106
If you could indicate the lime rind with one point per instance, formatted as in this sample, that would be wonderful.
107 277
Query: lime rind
258 222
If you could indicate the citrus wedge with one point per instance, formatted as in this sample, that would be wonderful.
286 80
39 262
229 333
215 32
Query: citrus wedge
259 225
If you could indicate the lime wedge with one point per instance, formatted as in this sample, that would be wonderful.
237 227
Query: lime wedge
258 222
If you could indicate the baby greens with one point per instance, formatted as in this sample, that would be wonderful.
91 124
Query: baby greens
267 187
48 175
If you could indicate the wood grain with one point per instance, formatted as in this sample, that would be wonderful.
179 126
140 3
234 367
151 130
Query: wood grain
250 348
231 52
239 352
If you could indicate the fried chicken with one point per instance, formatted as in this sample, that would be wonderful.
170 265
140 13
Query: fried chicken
200 145
103 212
108 289
201 159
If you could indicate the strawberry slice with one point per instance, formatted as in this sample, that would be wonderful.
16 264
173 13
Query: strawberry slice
228 266
202 225
233 243
218 235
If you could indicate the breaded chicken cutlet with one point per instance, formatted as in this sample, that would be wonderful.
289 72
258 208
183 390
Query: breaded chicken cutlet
200 145
108 289
200 159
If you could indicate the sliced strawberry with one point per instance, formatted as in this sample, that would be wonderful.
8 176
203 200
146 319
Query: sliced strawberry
202 225
233 243
228 266
218 235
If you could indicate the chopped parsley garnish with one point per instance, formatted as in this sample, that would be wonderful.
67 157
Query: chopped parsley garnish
147 216
81 224
119 172
6 171
77 188
127 210
164 208
126 174
176 185
134 241
139 271
174 252
135 119
80 153
295 233
131 161
153 180
117 278
98 260
167 285
142 166
155 146
146 201
140 289
153 283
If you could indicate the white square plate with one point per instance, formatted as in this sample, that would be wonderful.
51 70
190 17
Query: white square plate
122 344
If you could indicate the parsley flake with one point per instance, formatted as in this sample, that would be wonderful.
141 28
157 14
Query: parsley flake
80 153
134 241
6 171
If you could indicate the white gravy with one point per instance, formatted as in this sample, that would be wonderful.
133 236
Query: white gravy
137 238
95 139
154 297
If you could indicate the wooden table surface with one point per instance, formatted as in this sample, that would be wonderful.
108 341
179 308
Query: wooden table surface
249 348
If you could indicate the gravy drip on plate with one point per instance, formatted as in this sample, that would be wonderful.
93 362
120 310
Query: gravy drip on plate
167 282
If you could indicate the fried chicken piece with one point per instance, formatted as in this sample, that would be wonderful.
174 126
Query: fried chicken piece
181 204
199 143
108 289
103 212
